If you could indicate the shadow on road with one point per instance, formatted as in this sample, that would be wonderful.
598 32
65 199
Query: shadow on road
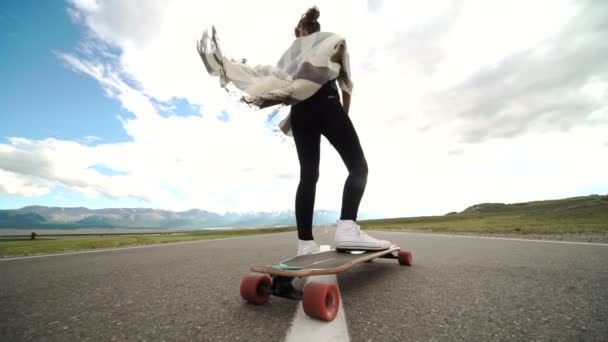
370 276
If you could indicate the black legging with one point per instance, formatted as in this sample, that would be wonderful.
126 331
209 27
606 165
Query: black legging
323 114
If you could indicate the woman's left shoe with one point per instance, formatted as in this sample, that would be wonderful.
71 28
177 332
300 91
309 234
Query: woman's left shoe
307 247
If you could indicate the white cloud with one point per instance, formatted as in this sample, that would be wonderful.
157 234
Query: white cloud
430 79
23 185
91 138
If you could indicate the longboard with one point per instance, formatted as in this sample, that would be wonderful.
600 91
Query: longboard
319 300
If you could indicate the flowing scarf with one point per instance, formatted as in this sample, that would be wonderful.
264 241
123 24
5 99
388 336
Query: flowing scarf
309 63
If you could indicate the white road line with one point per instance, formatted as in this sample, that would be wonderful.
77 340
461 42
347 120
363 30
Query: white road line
306 329
324 248
498 238
124 248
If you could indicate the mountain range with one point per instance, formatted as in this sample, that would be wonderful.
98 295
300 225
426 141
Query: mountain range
41 217
585 208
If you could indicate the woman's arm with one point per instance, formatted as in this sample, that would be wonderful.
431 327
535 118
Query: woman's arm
345 101
344 77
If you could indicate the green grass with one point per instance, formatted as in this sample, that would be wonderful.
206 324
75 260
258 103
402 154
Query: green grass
44 245
487 223
580 215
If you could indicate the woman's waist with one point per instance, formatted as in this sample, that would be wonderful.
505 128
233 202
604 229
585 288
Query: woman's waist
327 92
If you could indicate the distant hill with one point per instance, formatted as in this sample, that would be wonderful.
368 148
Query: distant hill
585 211
13 219
576 215
567 207
41 217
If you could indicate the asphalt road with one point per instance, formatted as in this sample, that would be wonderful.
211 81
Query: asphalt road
459 289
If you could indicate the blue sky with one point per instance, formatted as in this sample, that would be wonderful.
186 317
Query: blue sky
106 104
39 96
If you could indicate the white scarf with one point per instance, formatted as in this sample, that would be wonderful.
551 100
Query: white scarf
309 63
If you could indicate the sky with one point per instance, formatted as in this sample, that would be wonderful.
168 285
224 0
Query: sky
107 104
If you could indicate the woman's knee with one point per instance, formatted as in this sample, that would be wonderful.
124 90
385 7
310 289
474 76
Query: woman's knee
360 170
309 176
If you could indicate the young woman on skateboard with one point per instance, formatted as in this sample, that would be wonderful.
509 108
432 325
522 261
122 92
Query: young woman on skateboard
323 114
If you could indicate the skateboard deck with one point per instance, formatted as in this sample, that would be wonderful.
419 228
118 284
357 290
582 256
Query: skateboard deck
330 262
319 300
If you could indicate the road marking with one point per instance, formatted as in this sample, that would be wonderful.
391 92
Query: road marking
324 248
498 238
304 328
125 248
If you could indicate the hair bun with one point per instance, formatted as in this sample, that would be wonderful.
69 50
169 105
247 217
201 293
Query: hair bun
312 14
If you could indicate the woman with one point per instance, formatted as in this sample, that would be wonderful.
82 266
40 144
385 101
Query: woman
323 114
305 77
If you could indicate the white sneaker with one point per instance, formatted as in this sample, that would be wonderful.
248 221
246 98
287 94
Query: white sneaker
350 236
307 247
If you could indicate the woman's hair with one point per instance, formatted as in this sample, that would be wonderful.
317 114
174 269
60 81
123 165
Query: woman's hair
309 21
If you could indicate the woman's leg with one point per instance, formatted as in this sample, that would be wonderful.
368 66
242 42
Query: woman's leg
307 138
341 133
339 130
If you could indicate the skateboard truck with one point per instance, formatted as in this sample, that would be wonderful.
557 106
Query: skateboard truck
283 287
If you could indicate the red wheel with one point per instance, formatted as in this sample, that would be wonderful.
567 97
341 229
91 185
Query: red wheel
321 300
255 288
405 258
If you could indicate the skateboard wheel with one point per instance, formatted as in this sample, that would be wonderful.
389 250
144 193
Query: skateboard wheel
255 288
321 300
405 258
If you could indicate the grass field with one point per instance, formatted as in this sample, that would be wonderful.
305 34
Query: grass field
582 216
579 215
48 244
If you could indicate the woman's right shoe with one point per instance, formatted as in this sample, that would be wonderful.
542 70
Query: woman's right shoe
350 236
